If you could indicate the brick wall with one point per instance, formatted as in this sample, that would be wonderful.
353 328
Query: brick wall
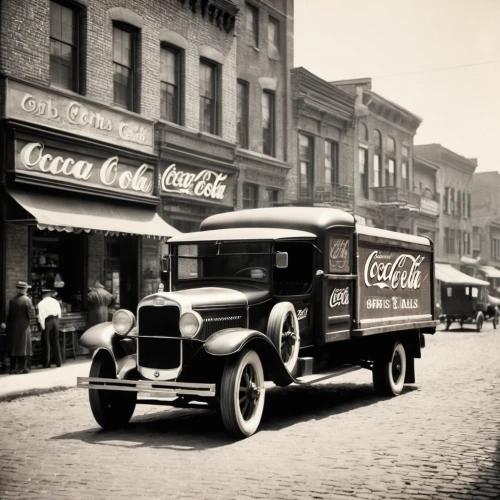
16 256
96 250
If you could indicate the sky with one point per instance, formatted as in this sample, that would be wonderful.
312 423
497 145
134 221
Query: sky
439 59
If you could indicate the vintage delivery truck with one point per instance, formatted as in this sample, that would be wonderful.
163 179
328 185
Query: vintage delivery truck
289 295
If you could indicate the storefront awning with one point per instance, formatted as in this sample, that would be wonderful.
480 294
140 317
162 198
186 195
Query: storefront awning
490 271
448 274
469 261
77 214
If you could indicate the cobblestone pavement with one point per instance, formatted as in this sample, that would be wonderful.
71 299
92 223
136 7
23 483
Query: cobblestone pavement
439 439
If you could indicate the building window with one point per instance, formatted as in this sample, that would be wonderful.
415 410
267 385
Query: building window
363 132
170 92
252 24
250 196
449 241
495 248
452 201
377 140
124 50
469 205
390 173
446 200
331 163
208 97
363 171
377 171
405 181
64 46
391 145
459 241
268 117
459 204
242 114
404 151
273 34
273 197
306 166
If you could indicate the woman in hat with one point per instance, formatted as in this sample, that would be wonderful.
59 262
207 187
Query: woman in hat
99 299
18 329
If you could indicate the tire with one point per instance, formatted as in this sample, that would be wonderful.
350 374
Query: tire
283 330
389 375
479 321
243 374
495 319
111 409
448 324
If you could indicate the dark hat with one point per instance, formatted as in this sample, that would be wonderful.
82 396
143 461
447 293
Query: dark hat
22 284
46 290
98 285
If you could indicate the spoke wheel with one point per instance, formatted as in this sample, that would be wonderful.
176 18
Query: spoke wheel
283 330
389 374
242 394
495 319
111 409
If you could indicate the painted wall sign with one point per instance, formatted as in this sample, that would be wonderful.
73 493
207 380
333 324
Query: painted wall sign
112 174
70 114
206 184
394 283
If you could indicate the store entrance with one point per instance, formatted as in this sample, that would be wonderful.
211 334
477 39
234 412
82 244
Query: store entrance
122 271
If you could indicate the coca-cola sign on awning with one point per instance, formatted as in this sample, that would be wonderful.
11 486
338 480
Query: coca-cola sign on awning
207 184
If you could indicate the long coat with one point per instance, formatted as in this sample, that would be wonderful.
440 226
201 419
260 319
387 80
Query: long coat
18 326
99 300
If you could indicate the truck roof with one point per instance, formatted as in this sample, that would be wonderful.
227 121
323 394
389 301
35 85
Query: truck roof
310 219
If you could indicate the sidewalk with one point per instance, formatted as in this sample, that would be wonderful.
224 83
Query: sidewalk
40 380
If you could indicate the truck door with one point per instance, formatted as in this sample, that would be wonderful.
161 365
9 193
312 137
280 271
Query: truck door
338 285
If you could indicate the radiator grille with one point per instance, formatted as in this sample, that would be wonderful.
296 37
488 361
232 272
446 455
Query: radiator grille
213 321
159 321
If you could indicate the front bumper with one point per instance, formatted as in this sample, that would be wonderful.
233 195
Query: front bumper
149 388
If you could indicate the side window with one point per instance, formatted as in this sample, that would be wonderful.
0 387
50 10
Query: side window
297 278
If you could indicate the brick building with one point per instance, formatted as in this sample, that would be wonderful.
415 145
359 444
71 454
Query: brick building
97 102
383 160
322 143
486 225
454 184
265 57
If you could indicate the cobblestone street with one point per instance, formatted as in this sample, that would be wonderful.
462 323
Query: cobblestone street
439 439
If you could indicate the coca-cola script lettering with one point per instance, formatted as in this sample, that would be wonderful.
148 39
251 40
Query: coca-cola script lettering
110 173
207 183
339 254
339 297
384 272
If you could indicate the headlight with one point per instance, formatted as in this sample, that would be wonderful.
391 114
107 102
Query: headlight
190 324
123 321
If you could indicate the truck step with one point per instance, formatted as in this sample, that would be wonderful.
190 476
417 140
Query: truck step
317 377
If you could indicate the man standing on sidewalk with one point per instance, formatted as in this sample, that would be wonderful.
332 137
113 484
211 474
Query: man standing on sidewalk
49 312
18 329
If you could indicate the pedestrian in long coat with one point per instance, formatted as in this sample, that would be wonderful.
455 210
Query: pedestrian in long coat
99 299
18 329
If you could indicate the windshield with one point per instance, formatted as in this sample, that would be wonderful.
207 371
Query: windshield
215 261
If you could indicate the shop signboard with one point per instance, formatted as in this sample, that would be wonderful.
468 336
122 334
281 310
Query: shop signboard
34 159
71 113
198 184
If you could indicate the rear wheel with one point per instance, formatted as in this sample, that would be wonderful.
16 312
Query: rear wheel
448 324
242 394
479 321
111 409
495 319
389 374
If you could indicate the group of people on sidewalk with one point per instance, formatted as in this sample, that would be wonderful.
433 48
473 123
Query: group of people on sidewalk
21 311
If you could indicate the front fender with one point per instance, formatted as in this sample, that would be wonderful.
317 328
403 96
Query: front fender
233 340
121 349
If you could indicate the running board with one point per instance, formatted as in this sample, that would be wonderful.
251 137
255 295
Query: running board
318 377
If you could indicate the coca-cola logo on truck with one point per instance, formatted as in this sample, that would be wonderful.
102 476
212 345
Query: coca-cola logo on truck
386 270
339 297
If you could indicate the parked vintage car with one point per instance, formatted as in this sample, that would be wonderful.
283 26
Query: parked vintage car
288 295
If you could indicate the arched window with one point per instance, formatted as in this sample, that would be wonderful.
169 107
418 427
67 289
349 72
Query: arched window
377 139
363 132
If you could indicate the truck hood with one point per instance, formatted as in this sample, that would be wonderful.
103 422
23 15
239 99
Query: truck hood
196 298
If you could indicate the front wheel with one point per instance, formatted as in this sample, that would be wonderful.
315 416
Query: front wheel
111 409
242 394
479 321
389 375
